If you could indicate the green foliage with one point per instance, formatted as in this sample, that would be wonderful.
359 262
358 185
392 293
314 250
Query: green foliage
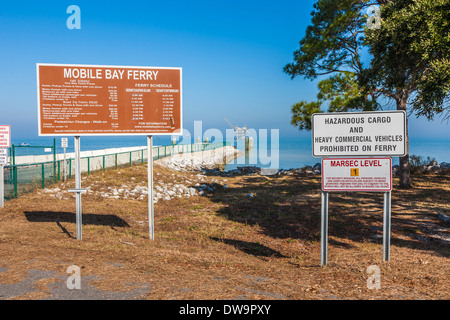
420 164
417 161
331 47
410 57
343 94
302 112
331 41
411 54
340 92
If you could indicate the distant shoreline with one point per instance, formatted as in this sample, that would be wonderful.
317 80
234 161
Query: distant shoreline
294 152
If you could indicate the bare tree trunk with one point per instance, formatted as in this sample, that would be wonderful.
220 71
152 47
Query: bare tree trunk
404 172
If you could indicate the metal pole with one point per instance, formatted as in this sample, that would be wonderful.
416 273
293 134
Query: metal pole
14 171
78 185
150 186
54 160
43 175
65 166
324 228
387 226
15 181
13 151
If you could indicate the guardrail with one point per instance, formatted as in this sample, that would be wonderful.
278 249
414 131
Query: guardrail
22 178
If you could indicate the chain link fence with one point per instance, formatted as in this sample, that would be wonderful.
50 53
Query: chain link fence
22 178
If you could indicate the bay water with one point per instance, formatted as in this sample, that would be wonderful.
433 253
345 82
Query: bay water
284 153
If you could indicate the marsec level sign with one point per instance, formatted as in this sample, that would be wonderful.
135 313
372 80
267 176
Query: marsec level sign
357 174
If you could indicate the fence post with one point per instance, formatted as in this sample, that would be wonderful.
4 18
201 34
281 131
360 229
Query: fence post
70 168
103 163
15 181
43 176
13 151
89 165
14 172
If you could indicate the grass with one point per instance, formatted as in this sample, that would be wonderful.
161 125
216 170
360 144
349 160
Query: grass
211 247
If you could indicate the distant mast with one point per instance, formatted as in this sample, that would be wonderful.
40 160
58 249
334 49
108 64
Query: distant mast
239 133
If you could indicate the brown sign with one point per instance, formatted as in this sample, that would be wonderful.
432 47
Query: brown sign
108 100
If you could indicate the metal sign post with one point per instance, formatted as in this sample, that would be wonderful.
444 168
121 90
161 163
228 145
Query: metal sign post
78 189
64 144
78 185
324 228
65 166
151 224
356 174
387 226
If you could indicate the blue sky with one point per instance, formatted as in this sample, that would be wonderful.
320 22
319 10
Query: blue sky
232 54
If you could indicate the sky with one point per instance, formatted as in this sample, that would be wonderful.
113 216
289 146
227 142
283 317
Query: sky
232 54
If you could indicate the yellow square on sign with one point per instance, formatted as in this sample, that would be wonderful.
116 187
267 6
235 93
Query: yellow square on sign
354 172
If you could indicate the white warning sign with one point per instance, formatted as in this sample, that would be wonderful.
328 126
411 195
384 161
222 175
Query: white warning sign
349 134
357 174
3 156
5 136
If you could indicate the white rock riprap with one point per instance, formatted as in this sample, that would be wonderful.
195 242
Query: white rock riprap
209 159
181 185
187 187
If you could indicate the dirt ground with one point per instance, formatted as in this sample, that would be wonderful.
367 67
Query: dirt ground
257 238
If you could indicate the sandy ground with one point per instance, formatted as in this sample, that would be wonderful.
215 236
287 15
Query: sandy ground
249 237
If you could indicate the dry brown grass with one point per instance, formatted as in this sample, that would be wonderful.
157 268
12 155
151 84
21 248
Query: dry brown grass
227 245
